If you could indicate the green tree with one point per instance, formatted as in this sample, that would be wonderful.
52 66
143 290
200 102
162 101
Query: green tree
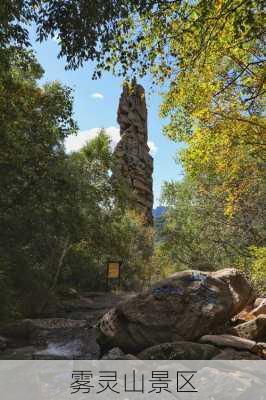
192 231
196 233
34 177
95 200
258 268
108 230
210 56
59 209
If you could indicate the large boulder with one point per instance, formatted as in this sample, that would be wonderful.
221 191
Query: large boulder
263 349
179 351
241 292
254 329
183 307
230 341
234 354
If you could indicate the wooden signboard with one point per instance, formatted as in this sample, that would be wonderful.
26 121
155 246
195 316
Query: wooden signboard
113 271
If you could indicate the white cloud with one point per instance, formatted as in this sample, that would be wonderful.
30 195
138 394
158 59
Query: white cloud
76 142
153 148
97 95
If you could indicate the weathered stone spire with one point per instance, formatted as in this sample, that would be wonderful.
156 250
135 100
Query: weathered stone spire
132 159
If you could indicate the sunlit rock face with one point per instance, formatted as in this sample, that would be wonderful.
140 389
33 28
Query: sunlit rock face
133 163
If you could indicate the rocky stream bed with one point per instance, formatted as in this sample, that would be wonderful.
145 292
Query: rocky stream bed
65 332
192 315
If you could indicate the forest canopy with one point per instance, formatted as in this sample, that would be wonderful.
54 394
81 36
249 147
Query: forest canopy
61 216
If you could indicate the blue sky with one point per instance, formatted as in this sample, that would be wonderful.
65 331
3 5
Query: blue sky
95 106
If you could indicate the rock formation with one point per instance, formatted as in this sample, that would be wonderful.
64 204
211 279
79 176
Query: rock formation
133 163
254 329
184 307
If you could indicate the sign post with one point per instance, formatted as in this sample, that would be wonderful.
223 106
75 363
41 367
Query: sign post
113 271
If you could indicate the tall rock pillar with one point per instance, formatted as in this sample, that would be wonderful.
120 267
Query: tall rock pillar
133 162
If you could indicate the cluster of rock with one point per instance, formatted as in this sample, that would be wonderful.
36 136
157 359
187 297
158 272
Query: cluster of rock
65 331
49 338
190 315
132 161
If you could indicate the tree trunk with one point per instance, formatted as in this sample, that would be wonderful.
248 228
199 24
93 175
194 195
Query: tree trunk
57 274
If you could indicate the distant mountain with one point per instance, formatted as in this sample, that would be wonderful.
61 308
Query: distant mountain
158 211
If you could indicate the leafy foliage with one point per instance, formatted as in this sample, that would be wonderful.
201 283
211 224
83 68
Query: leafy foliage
210 54
34 179
258 270
61 216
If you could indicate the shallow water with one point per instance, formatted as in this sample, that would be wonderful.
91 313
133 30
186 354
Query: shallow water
65 350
